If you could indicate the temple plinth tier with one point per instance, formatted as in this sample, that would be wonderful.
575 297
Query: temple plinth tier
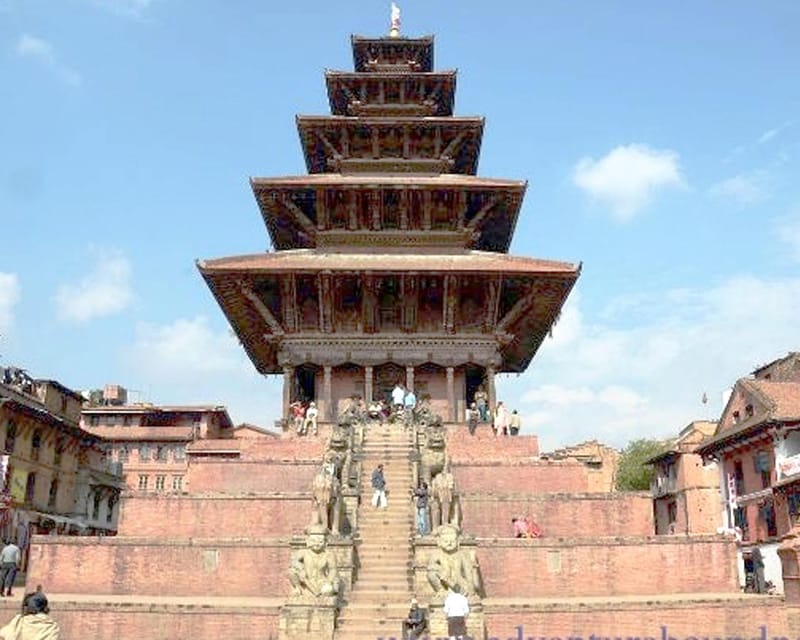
391 256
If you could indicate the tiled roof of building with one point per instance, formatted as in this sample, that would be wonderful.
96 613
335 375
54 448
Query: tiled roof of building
143 434
464 262
782 400
215 444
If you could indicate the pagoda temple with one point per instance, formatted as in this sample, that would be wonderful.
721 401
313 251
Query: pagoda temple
390 259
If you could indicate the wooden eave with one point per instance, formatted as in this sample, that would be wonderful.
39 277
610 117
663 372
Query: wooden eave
548 282
291 226
340 104
325 149
422 48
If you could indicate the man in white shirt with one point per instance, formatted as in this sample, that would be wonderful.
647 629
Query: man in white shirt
311 418
9 565
398 396
456 609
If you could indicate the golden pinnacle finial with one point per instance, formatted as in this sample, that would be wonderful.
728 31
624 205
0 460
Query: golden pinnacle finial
394 27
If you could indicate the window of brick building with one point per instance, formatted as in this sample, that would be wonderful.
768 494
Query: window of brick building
763 467
160 480
11 436
112 502
94 420
749 410
767 514
740 520
144 452
63 404
58 450
96 505
161 453
53 497
738 473
30 488
143 481
36 444
126 421
179 452
124 453
177 483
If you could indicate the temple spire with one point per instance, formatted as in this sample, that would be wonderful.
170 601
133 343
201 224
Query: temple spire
394 28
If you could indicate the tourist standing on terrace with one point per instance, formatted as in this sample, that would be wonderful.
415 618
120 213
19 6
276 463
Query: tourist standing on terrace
311 418
500 419
379 488
472 418
482 401
514 423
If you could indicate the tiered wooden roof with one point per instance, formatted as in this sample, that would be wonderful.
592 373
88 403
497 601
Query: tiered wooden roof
391 206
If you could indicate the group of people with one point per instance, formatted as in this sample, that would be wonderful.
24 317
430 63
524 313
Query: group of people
503 422
456 610
525 527
304 418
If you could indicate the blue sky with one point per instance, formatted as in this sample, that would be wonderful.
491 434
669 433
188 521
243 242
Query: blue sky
660 141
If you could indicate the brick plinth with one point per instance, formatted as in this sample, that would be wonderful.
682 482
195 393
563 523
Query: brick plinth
96 617
514 476
570 567
653 618
215 475
226 516
588 515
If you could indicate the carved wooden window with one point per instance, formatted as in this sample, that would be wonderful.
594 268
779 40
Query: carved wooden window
30 488
11 436
53 496
36 444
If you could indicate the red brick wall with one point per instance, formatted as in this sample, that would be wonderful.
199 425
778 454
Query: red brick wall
485 446
222 516
586 515
154 621
243 476
538 477
710 619
607 566
148 566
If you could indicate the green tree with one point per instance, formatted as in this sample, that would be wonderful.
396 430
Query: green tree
632 473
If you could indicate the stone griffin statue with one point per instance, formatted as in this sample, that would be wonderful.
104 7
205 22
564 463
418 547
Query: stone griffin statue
313 571
450 566
433 458
327 492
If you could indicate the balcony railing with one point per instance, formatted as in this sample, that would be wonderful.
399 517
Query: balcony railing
662 486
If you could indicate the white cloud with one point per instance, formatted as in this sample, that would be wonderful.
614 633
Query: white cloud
640 369
9 296
769 134
104 291
188 362
627 178
43 52
743 189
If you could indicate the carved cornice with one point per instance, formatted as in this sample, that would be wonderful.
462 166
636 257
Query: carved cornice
455 350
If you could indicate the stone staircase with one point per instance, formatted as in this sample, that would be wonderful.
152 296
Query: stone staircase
379 600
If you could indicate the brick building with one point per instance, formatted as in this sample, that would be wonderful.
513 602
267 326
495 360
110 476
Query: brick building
600 460
150 441
757 443
686 496
55 476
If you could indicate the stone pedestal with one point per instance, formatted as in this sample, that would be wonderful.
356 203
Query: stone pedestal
789 553
303 620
